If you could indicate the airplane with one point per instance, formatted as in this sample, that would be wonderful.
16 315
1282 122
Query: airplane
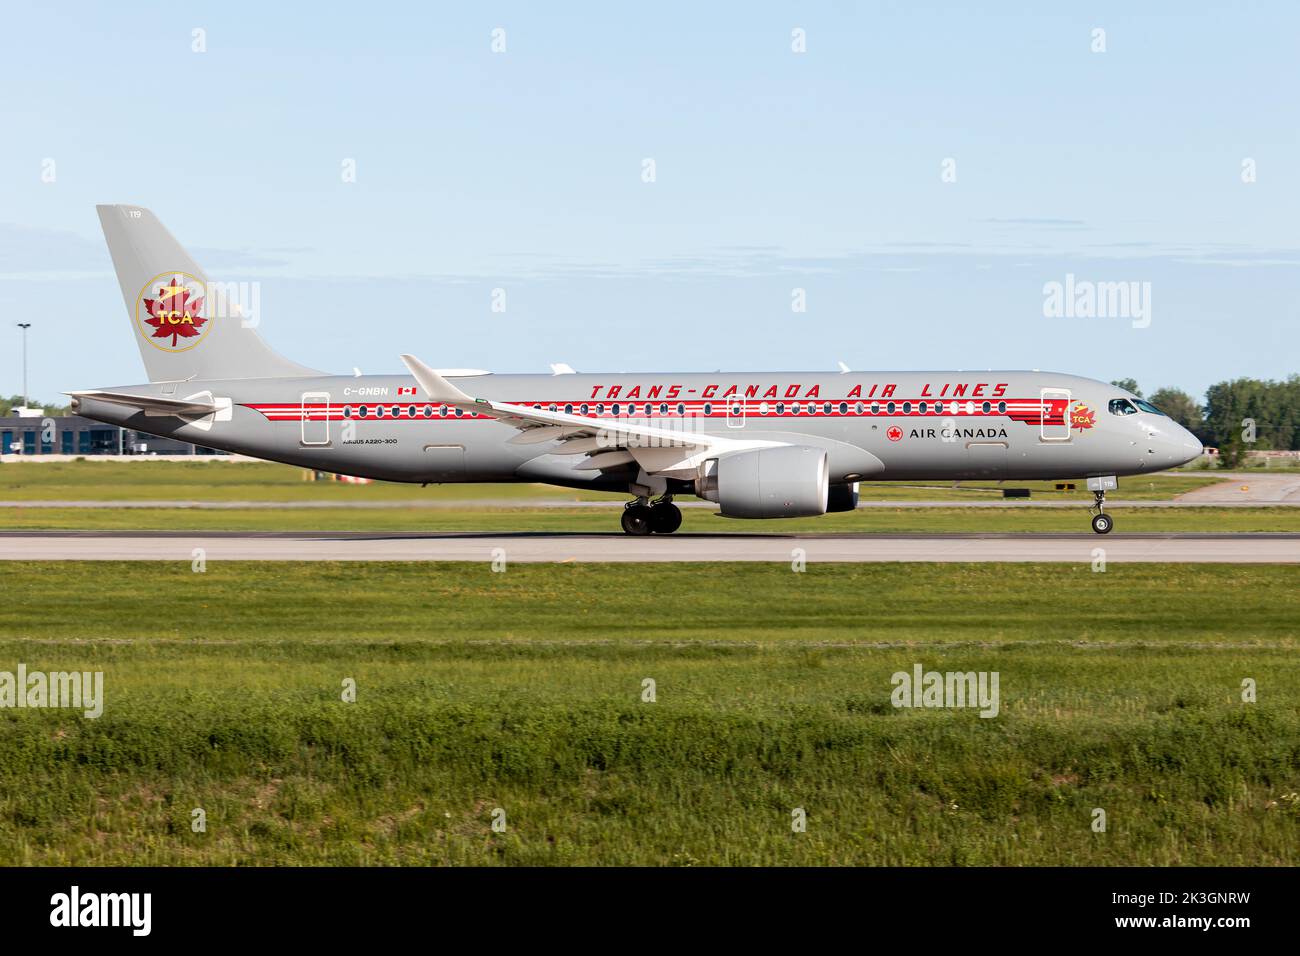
759 445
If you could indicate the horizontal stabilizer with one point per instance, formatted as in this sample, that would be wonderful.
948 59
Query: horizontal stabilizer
150 404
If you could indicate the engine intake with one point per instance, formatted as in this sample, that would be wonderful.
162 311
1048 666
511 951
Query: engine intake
785 482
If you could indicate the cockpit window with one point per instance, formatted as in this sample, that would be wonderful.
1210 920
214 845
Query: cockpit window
1122 406
1147 407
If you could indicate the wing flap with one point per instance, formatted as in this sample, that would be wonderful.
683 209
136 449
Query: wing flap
606 459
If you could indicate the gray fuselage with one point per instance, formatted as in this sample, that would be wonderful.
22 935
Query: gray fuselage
873 425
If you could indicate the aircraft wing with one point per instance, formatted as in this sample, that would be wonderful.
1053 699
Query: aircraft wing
152 405
609 443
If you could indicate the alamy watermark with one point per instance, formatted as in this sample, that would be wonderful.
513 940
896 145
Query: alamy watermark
1085 299
954 689
75 908
79 690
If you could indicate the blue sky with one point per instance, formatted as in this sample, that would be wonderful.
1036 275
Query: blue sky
774 170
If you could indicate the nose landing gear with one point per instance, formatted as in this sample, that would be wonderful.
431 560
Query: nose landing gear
1099 485
651 517
1101 522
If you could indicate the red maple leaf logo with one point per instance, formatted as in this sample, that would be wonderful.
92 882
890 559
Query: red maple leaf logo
175 313
1082 417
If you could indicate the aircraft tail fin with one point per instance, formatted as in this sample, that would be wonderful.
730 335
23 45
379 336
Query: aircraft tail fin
186 327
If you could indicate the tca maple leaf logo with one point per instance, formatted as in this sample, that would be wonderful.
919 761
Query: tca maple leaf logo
1082 417
174 313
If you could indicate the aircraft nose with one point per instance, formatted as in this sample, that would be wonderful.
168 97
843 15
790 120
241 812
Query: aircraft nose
1189 447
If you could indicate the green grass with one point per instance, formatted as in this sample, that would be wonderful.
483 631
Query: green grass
899 603
602 520
216 480
523 691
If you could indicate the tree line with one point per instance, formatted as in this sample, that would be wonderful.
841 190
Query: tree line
7 405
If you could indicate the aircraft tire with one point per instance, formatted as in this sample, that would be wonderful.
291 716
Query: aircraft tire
665 518
637 519
1102 523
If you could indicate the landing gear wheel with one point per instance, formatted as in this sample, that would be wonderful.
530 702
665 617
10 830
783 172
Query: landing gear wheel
1101 522
637 519
665 518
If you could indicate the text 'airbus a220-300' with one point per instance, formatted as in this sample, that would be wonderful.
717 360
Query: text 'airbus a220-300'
772 445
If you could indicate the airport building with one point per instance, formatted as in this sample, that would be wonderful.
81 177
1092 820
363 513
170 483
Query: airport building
35 434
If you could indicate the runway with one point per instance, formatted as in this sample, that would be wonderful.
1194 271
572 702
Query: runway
1244 548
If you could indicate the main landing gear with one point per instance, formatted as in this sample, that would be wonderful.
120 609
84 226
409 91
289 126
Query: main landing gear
1101 522
651 517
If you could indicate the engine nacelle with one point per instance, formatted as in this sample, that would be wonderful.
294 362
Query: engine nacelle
785 482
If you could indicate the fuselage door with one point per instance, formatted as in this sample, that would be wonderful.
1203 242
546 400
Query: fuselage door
1056 415
315 418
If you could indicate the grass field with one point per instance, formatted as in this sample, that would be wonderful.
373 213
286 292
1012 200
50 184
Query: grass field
523 691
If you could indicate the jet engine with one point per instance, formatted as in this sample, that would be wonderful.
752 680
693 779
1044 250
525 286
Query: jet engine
788 481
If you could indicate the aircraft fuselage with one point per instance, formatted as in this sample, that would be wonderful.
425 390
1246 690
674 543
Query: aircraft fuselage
873 425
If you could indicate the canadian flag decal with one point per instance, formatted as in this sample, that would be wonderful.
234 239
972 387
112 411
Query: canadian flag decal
405 390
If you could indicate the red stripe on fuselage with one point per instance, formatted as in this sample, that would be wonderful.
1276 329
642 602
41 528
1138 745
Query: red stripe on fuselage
1027 411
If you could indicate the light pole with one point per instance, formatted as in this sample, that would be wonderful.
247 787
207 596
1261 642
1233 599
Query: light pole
25 326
